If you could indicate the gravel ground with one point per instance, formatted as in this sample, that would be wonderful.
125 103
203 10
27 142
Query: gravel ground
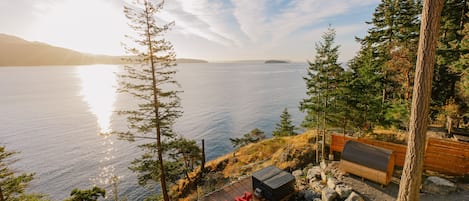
373 191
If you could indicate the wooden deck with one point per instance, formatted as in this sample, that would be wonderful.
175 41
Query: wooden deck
230 192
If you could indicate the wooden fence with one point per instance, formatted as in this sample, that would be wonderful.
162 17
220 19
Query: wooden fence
445 156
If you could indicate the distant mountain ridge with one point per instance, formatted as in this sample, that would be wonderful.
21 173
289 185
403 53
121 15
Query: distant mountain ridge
15 51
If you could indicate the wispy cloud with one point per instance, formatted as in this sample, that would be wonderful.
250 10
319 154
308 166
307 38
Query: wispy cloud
239 22
211 29
209 20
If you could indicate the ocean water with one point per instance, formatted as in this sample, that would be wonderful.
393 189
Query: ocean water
53 115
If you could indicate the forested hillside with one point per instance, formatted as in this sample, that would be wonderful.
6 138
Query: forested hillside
376 90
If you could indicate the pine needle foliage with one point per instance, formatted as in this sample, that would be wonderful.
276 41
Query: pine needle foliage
285 127
12 185
149 79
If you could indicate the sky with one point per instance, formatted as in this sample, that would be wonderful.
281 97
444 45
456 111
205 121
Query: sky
214 30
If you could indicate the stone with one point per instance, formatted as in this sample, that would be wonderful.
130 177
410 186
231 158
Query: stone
438 185
323 176
300 194
310 195
314 173
316 186
343 190
297 173
301 187
332 182
354 197
328 194
334 164
323 165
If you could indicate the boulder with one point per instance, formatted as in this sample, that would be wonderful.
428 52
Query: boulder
438 185
301 187
310 195
316 186
323 176
297 173
323 165
332 182
343 190
328 194
354 197
334 164
300 195
314 173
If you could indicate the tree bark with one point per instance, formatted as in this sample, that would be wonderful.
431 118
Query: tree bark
202 165
412 173
156 106
1 194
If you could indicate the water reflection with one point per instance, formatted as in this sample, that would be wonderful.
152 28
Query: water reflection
98 91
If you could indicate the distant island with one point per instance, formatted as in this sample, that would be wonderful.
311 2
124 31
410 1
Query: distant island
186 60
15 51
273 61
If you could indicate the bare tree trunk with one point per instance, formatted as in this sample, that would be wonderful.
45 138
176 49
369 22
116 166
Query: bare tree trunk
449 124
156 109
317 131
412 173
202 165
1 194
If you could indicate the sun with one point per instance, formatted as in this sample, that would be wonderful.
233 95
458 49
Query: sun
93 26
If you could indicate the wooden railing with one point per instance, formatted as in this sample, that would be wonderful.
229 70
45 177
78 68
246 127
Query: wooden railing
444 156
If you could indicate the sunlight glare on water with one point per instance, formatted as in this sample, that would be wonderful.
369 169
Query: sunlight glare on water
98 90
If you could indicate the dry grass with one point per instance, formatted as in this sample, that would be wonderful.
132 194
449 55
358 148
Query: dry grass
285 152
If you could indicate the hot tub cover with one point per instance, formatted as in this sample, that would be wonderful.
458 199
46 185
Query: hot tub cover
367 155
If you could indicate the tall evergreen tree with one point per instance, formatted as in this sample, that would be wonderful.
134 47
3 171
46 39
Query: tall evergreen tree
185 155
11 185
365 88
461 67
285 127
449 51
152 84
87 195
322 85
389 45
409 188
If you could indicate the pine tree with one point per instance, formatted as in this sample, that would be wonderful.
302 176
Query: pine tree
87 195
461 67
322 85
322 81
365 88
285 126
185 155
409 187
446 75
391 41
12 185
255 135
151 82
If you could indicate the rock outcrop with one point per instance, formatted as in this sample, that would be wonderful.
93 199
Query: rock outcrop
323 182
438 185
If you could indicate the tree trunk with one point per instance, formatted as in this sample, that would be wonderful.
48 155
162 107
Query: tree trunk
318 130
156 110
202 165
1 194
412 173
449 124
